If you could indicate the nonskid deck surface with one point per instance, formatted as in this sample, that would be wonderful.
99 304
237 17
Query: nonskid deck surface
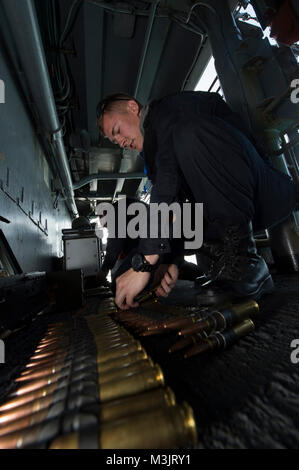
247 395
243 397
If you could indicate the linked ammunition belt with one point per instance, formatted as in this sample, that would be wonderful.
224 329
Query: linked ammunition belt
91 384
198 330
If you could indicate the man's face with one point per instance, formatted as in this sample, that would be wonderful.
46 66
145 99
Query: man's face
123 128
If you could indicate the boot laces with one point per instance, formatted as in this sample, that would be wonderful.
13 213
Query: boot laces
228 261
237 259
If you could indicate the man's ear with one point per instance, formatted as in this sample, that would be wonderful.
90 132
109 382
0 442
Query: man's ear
133 107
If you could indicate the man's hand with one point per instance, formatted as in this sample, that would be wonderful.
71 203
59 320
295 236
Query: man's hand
128 285
169 275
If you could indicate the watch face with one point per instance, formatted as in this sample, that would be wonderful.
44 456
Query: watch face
137 262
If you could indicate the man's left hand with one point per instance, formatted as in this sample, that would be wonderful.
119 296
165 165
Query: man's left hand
169 275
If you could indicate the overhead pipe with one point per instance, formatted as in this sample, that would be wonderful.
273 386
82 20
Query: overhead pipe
23 22
107 176
125 11
146 44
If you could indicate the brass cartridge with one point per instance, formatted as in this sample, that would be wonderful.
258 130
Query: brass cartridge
176 323
41 387
220 320
30 436
58 357
39 384
133 384
52 347
49 368
113 353
54 361
187 341
39 356
60 378
32 407
100 342
49 342
78 349
115 374
156 331
110 334
141 298
220 340
38 410
25 399
29 420
113 339
48 361
118 409
39 372
123 361
51 375
164 428
111 325
44 391
172 324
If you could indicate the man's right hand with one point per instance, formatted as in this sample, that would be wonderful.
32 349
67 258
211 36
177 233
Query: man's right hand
128 286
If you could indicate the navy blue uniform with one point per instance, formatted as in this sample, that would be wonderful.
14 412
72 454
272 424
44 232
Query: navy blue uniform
197 149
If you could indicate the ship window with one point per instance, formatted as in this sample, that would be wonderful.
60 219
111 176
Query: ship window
191 259
209 80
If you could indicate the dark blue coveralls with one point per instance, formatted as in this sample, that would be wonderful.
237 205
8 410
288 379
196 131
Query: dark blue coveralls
196 148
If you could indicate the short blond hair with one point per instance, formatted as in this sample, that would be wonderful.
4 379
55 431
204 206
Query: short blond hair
113 103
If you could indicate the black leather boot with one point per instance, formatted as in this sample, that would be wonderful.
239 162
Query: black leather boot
236 270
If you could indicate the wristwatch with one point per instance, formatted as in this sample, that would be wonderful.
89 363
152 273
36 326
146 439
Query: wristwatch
140 264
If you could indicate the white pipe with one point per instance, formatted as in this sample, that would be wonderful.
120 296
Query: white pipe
24 25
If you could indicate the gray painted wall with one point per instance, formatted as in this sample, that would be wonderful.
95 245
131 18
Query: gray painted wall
34 233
